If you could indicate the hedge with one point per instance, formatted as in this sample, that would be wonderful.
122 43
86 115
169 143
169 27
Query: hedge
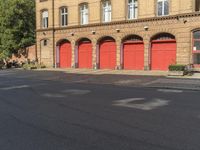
176 67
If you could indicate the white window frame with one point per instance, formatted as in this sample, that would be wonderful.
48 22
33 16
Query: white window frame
163 7
132 9
106 11
84 14
63 16
45 19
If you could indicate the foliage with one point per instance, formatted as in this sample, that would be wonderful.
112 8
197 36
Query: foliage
177 67
17 26
30 66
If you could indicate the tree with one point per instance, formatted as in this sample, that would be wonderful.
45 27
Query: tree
17 26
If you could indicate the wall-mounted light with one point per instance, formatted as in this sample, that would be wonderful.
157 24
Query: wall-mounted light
146 28
72 34
118 30
93 32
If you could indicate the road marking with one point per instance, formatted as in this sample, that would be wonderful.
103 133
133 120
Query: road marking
169 91
125 82
15 87
150 105
6 74
50 95
76 92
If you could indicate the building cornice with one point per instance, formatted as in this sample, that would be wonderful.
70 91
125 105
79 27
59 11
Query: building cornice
150 19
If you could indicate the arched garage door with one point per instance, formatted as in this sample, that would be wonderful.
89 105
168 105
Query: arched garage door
85 54
65 54
163 52
133 53
107 53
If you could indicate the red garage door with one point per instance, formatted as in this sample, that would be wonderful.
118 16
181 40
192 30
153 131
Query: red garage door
134 56
163 54
65 55
85 55
107 55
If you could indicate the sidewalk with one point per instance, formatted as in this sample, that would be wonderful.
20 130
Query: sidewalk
108 71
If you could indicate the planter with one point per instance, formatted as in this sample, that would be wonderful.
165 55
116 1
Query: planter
176 73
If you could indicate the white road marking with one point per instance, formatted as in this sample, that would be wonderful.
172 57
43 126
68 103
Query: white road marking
15 87
150 105
6 74
170 91
53 95
76 92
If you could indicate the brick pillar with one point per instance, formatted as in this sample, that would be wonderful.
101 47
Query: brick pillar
94 54
147 52
118 54
73 45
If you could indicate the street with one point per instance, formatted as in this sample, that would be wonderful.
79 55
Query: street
39 111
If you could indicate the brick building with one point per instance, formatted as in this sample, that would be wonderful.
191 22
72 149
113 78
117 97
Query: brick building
118 34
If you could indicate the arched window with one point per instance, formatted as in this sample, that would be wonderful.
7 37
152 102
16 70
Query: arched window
45 19
162 7
84 14
132 9
196 47
106 11
63 16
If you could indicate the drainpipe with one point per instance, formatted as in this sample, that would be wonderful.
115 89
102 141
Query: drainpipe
53 30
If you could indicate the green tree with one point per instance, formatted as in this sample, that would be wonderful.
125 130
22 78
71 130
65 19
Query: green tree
17 22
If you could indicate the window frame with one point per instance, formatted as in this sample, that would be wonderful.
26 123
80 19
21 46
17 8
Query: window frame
104 12
135 6
84 13
65 15
162 8
44 20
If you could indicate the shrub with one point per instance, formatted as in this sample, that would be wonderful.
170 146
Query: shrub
33 66
177 67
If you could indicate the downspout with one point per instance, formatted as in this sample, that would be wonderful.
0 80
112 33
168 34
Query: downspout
36 42
53 30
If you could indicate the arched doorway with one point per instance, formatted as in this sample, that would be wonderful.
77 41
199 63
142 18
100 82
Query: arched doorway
107 53
65 54
163 51
84 53
133 53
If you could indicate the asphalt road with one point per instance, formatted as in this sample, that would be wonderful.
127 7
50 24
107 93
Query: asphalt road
39 114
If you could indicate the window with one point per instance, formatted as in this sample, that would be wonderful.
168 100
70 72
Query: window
132 9
45 43
45 19
196 47
63 16
84 14
197 5
107 11
163 7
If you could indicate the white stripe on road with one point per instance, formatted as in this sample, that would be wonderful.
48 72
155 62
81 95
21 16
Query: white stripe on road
169 91
15 87
76 92
149 105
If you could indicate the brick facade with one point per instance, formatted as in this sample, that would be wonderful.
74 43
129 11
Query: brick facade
181 22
